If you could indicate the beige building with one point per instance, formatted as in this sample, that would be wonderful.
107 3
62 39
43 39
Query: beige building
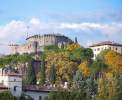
11 80
97 48
37 43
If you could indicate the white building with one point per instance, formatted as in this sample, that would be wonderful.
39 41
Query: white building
11 80
97 48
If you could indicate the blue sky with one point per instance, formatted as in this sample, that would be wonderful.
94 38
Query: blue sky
89 20
45 9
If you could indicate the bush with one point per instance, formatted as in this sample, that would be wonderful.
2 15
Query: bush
7 96
25 97
65 95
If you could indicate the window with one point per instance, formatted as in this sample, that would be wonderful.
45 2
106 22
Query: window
110 48
116 48
2 81
94 55
98 49
15 88
40 97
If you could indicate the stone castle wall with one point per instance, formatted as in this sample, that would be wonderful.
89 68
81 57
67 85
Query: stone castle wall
36 43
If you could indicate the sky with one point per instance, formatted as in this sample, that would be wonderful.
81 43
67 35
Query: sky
90 21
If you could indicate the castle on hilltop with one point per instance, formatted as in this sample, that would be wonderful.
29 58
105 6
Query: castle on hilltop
36 43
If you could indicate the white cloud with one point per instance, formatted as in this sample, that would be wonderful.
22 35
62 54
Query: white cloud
15 30
12 30
35 21
108 29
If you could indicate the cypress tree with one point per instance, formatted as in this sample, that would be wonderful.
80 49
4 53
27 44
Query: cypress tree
42 72
53 74
76 41
31 75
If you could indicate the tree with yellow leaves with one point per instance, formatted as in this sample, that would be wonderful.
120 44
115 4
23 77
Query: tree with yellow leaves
73 46
114 60
65 69
83 67
108 88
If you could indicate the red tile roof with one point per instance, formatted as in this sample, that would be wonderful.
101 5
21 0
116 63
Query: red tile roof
106 43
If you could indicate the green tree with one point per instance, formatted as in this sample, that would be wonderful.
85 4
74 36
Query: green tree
86 54
108 88
91 87
31 75
53 74
101 55
75 55
51 48
42 72
97 67
7 96
65 95
79 82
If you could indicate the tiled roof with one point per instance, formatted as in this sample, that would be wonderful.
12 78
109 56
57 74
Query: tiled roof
106 43
2 87
12 74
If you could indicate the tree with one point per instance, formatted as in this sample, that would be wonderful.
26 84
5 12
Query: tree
75 55
51 48
86 54
73 46
91 89
101 55
7 96
83 67
79 82
65 68
14 60
31 75
97 68
53 74
42 75
76 41
65 95
107 88
85 85
114 61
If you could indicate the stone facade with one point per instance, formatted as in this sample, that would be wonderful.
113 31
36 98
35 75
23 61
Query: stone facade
36 43
97 48
11 80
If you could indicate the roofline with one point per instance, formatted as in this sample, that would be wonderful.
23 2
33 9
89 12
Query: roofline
105 44
12 75
53 34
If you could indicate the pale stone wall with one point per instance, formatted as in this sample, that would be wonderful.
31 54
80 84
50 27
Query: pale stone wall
98 49
14 83
37 43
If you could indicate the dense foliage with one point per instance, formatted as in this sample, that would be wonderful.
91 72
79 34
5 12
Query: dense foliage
88 79
7 96
14 59
31 75
65 95
52 74
42 74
